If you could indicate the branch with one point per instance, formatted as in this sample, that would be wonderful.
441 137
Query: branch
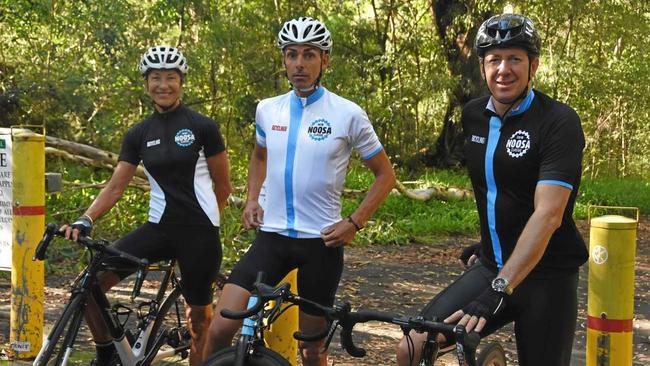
445 194
85 154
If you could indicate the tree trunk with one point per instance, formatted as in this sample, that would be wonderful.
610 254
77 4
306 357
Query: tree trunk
451 18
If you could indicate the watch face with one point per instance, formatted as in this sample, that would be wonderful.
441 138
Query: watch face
501 285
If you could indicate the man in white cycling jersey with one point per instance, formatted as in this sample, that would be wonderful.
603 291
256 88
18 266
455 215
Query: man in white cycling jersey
304 139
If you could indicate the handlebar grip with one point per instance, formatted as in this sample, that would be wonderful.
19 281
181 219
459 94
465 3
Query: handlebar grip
311 337
363 316
230 314
348 345
39 253
141 262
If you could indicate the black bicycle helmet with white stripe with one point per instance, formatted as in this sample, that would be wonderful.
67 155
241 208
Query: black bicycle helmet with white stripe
506 31
305 30
163 58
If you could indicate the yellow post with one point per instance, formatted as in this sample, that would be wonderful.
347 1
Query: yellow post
27 277
280 335
612 248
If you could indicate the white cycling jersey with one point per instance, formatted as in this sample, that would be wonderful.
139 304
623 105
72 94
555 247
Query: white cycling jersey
309 142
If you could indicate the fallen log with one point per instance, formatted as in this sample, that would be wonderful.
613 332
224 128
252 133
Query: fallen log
441 193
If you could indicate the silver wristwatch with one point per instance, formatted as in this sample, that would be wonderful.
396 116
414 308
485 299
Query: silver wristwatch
501 285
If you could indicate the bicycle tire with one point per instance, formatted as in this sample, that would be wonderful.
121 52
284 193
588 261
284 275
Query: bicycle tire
261 357
70 319
492 354
164 317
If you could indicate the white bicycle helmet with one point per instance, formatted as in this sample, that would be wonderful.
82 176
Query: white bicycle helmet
163 58
305 30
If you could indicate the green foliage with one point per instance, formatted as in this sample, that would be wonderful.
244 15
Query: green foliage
401 220
72 67
613 192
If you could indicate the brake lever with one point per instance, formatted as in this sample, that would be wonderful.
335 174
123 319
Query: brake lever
139 280
330 336
460 333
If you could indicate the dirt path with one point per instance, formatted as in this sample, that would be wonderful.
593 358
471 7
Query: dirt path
402 279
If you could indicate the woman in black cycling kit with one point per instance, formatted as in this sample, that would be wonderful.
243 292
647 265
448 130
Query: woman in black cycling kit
187 167
523 151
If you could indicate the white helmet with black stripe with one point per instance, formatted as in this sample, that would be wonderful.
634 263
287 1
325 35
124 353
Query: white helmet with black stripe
305 30
163 58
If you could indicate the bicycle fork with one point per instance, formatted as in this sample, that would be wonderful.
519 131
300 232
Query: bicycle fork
430 350
70 336
247 333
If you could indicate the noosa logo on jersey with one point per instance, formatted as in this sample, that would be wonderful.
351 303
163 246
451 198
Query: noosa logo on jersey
184 137
518 144
319 130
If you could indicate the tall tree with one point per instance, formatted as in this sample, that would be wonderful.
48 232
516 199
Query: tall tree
456 23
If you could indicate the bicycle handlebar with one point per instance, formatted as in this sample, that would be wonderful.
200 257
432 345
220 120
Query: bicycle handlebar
98 245
264 293
39 253
347 319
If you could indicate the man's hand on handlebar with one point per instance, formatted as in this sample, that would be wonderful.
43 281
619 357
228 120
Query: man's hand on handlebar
469 255
476 314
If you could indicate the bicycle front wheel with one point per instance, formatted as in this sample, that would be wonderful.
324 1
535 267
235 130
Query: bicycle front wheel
492 354
261 357
57 347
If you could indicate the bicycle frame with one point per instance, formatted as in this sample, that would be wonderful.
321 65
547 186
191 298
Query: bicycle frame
248 329
132 355
86 286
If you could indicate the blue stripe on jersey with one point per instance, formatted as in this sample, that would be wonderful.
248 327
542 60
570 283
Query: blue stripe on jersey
373 153
493 140
295 113
260 131
523 106
556 182
295 118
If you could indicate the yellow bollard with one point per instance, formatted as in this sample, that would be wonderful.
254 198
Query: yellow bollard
280 335
612 248
27 276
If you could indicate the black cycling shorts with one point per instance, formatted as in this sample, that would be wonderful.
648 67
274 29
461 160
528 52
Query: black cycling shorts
319 267
544 312
197 250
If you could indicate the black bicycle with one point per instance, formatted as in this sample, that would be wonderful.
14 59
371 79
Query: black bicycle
160 331
250 349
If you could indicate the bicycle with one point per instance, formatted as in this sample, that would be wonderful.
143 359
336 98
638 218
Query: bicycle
157 334
250 349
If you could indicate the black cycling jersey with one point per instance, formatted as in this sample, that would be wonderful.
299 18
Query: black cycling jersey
541 142
173 147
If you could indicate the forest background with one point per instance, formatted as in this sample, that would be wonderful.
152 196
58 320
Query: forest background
71 66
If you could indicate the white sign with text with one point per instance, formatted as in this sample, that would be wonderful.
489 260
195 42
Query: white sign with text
6 203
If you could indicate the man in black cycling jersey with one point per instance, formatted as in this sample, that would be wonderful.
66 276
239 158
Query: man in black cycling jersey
187 166
304 139
523 152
